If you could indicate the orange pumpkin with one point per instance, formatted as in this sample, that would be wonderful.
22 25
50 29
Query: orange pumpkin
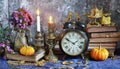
99 54
27 50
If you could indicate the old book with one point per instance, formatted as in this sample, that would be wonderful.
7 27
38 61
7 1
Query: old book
105 35
104 39
110 46
102 44
101 29
38 55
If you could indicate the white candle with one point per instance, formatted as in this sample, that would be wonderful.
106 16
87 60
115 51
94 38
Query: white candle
38 21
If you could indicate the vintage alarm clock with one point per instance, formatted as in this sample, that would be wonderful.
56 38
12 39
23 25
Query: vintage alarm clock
74 39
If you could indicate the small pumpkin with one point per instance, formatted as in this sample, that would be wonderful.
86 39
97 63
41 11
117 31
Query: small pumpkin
99 54
27 50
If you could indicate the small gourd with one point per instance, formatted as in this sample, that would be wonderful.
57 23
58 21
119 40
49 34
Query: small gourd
99 54
27 50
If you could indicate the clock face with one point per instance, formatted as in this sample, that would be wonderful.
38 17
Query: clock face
73 43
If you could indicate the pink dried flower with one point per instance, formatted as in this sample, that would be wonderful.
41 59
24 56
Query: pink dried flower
9 49
21 18
2 45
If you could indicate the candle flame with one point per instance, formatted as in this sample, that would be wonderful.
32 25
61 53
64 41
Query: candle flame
50 19
38 12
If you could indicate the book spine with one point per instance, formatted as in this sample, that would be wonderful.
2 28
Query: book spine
104 39
105 35
109 46
101 29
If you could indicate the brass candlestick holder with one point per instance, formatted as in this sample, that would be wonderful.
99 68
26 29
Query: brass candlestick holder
51 42
39 41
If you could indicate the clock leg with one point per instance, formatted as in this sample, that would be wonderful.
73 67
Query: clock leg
64 56
82 55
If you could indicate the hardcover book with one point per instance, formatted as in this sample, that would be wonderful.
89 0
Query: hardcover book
101 29
38 55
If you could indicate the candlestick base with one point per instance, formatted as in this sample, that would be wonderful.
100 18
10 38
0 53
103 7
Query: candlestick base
39 40
51 57
51 42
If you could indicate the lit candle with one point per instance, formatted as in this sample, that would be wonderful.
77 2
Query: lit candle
38 21
51 24
50 20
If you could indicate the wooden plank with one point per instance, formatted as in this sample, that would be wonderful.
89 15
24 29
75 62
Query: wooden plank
105 35
101 29
38 55
104 39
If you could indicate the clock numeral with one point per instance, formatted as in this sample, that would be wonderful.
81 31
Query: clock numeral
69 35
64 43
73 34
81 38
69 49
81 42
80 47
66 47
77 50
73 51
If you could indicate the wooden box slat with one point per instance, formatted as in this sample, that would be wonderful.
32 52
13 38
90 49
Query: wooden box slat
105 35
101 29
104 39
38 55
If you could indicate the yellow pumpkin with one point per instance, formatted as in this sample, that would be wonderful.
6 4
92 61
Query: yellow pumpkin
27 50
99 54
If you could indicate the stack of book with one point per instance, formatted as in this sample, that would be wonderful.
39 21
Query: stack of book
34 58
104 36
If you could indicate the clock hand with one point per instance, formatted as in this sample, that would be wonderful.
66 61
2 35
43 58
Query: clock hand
76 41
69 40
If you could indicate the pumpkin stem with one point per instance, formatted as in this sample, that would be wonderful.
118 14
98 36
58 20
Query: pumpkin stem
100 46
